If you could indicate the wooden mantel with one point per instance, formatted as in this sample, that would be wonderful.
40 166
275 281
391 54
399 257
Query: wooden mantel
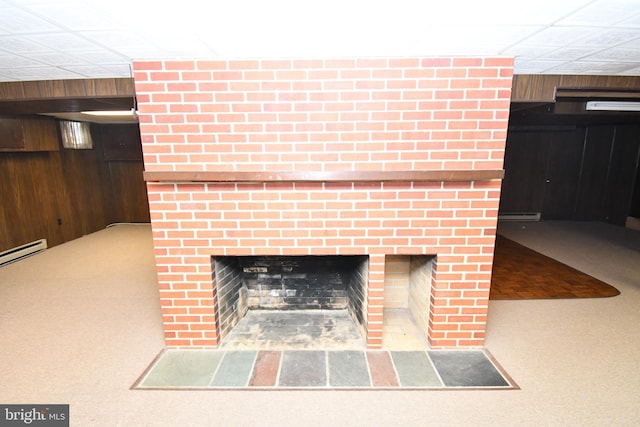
332 176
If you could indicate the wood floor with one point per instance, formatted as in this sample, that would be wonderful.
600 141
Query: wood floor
521 273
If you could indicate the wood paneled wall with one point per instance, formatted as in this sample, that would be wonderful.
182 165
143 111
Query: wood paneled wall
63 195
634 211
66 89
572 172
543 87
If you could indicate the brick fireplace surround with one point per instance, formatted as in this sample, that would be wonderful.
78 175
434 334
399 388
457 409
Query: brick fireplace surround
377 157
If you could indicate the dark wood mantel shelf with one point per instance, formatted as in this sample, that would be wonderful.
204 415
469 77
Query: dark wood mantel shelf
333 176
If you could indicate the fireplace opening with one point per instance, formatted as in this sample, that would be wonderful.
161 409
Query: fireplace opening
287 300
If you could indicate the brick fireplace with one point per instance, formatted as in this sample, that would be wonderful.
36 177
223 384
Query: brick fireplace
374 158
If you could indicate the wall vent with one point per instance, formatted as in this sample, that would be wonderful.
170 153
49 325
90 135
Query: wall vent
20 252
520 216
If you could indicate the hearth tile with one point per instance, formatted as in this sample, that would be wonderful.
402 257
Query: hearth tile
276 332
295 330
183 368
415 369
375 369
302 368
401 332
381 367
235 369
348 369
467 369
265 371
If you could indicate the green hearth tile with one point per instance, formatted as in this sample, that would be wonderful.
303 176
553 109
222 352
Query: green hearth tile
183 368
303 369
414 369
348 369
235 369
467 369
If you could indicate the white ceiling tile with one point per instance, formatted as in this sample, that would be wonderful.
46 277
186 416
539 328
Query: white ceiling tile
20 45
98 56
62 40
60 73
539 12
578 67
496 36
631 22
556 36
486 12
18 21
78 15
11 61
632 44
615 54
183 44
610 37
603 12
568 53
118 40
528 52
4 12
616 68
39 73
632 72
86 70
523 66
103 37
469 40
94 71
141 15
22 3
594 67
57 59
119 70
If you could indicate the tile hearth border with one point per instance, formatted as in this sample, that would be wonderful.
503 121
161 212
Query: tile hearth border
324 370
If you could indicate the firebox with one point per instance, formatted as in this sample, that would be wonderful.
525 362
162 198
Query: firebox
289 283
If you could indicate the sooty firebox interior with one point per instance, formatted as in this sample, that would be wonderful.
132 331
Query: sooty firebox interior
332 282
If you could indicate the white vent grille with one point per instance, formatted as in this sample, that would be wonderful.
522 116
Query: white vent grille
520 216
20 252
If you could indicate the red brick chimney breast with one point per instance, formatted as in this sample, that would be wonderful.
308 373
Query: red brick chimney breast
376 157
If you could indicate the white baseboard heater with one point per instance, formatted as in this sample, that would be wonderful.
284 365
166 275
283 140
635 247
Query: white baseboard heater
20 252
519 216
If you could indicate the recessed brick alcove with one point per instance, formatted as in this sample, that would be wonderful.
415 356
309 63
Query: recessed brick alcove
377 157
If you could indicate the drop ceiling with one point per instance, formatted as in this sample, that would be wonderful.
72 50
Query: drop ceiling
68 39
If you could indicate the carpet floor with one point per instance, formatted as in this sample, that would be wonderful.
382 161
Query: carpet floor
322 369
80 322
522 273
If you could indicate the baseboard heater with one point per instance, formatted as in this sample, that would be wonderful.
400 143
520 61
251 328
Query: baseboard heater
20 252
520 216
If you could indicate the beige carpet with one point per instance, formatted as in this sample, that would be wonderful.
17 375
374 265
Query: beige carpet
80 322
